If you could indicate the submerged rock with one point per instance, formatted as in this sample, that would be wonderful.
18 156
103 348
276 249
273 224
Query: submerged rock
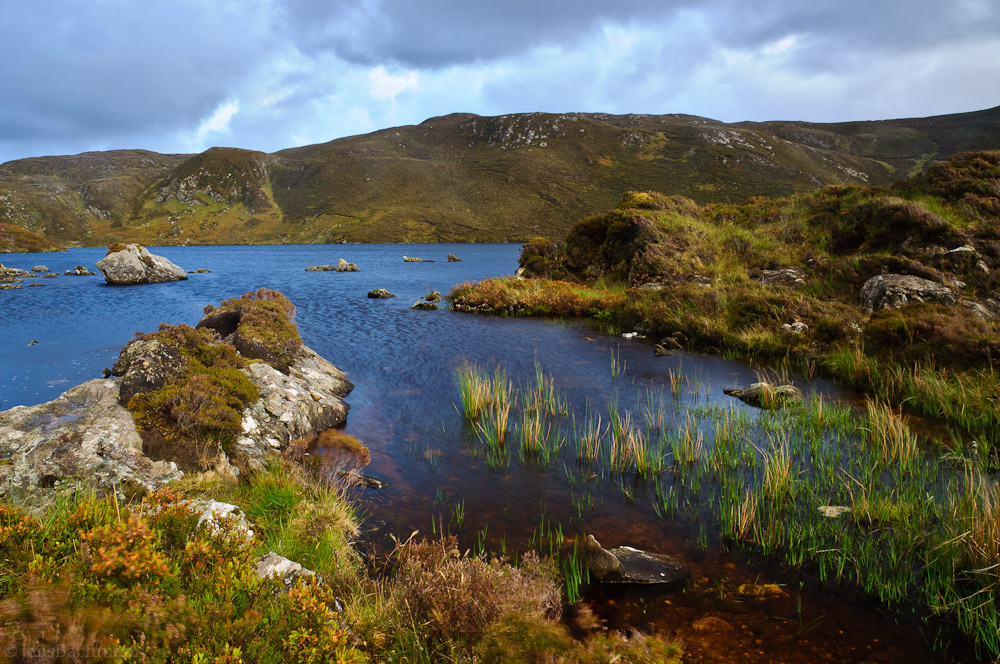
892 291
380 294
84 439
765 395
625 564
133 264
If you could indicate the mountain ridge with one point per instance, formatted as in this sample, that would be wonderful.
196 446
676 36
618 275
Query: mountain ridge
462 177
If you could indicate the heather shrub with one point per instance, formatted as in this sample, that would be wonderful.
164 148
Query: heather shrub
455 597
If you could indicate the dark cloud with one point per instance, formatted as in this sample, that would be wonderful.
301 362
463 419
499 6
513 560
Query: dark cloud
116 67
436 33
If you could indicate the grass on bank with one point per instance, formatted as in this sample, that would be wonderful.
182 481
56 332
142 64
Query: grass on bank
139 580
916 524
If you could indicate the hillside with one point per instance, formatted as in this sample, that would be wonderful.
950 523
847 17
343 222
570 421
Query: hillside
16 240
462 177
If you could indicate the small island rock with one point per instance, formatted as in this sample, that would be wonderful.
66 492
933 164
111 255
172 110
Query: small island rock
765 395
133 264
344 266
380 294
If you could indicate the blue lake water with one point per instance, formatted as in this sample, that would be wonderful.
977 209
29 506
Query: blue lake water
403 363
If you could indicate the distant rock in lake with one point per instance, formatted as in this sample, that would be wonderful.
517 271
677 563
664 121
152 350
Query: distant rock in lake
133 264
380 294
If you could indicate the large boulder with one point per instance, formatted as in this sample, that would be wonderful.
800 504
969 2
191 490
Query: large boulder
84 439
892 291
306 400
133 264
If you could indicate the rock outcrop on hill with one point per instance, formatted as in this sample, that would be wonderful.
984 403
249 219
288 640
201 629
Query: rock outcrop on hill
133 264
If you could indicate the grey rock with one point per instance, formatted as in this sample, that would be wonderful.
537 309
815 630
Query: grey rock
320 268
79 271
380 294
39 268
765 395
978 309
145 365
50 275
344 266
212 514
84 439
288 571
798 327
833 511
625 564
307 400
135 265
892 291
651 286
964 249
789 276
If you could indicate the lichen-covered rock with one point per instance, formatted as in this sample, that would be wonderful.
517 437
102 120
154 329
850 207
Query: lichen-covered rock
765 395
380 294
433 296
892 291
344 266
789 276
452 258
798 327
306 400
146 365
83 439
133 264
288 571
427 306
412 259
212 514
321 268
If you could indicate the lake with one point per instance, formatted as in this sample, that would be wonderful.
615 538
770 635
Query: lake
405 407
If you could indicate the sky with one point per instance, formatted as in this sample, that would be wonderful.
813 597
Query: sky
180 76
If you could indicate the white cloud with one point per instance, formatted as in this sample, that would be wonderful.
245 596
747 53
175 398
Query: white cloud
386 86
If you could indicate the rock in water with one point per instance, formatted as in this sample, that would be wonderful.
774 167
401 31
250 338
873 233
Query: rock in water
320 268
133 264
433 296
83 439
625 564
765 395
344 266
380 294
452 258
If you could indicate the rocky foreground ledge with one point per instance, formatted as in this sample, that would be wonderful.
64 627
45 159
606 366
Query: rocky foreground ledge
167 412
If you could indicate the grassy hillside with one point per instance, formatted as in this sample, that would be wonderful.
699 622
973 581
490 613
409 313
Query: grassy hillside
732 278
16 240
462 177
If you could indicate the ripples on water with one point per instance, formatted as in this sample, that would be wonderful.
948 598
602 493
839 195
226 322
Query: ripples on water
403 364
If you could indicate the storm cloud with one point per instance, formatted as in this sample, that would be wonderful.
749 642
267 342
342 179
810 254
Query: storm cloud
183 75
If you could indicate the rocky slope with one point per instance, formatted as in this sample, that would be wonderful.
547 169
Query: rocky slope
461 177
